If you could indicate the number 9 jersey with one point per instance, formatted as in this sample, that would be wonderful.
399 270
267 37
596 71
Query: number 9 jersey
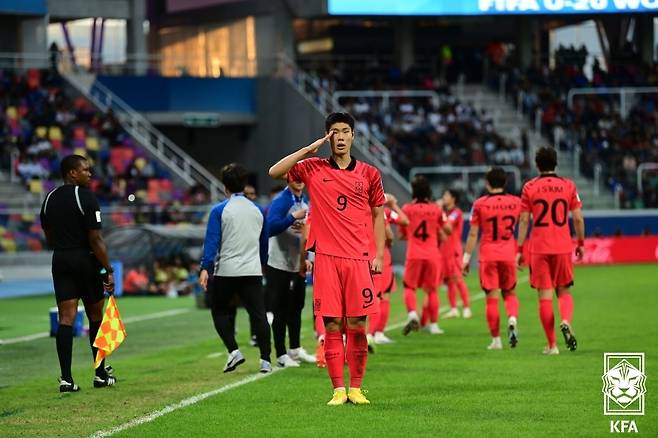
549 199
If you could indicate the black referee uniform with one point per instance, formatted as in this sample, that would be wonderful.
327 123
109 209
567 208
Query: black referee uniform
69 215
69 212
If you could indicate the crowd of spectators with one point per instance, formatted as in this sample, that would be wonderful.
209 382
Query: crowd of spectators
597 127
171 277
40 123
421 131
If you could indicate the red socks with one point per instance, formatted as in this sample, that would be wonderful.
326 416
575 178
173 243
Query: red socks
384 311
463 291
512 305
410 299
334 354
357 356
547 320
452 294
565 302
493 317
433 305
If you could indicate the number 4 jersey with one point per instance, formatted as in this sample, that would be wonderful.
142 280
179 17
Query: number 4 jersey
425 220
549 199
496 215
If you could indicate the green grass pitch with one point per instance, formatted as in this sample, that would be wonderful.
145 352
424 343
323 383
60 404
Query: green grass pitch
423 385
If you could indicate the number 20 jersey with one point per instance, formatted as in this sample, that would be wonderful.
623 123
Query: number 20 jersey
549 199
341 202
496 215
425 220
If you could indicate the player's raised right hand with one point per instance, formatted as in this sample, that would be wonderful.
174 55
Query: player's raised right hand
313 147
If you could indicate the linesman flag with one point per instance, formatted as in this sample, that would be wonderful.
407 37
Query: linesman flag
111 332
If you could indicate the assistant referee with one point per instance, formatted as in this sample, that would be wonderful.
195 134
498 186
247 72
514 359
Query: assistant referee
71 219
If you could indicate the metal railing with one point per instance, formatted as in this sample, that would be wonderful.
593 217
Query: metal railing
387 95
366 143
640 170
623 92
465 171
154 141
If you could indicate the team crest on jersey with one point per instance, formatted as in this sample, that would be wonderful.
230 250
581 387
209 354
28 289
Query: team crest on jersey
358 188
317 304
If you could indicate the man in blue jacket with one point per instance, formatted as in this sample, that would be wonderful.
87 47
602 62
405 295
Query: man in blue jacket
285 285
235 251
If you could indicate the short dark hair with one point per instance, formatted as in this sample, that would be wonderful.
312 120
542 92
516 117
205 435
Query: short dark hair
420 188
69 163
234 177
334 118
497 178
455 194
546 159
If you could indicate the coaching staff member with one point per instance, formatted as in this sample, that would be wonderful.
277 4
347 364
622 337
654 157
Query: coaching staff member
235 251
71 219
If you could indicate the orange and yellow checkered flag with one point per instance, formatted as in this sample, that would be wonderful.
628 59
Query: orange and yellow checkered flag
111 332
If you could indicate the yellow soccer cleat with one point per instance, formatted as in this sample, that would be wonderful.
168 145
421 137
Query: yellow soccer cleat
356 396
339 398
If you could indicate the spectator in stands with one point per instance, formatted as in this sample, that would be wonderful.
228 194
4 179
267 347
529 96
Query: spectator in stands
136 282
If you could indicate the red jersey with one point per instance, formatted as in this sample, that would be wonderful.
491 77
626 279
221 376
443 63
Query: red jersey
549 199
425 220
453 244
342 200
497 215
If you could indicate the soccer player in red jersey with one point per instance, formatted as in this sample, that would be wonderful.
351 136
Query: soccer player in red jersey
423 262
549 199
385 283
347 199
451 250
496 215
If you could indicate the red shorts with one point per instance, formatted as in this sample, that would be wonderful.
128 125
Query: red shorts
421 273
343 287
550 271
386 281
452 266
497 275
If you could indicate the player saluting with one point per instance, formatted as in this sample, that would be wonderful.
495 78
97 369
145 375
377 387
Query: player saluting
549 198
496 215
423 261
347 198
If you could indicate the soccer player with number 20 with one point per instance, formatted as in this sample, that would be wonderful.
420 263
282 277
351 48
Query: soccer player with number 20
549 198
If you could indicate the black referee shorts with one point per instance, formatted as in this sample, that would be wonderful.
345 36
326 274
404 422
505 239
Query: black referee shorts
76 274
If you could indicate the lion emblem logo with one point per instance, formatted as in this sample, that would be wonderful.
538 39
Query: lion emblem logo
624 384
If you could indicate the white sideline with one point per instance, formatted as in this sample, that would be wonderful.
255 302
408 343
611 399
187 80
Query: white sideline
128 320
187 402
197 398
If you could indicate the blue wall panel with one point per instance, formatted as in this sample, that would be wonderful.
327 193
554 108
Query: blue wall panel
160 94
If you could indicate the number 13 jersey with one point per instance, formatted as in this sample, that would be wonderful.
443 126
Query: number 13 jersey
341 202
496 215
425 220
549 199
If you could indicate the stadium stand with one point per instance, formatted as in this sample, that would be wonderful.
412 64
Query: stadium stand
40 122
596 127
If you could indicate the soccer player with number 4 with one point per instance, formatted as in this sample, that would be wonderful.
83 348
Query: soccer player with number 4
496 215
549 198
422 268
347 199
